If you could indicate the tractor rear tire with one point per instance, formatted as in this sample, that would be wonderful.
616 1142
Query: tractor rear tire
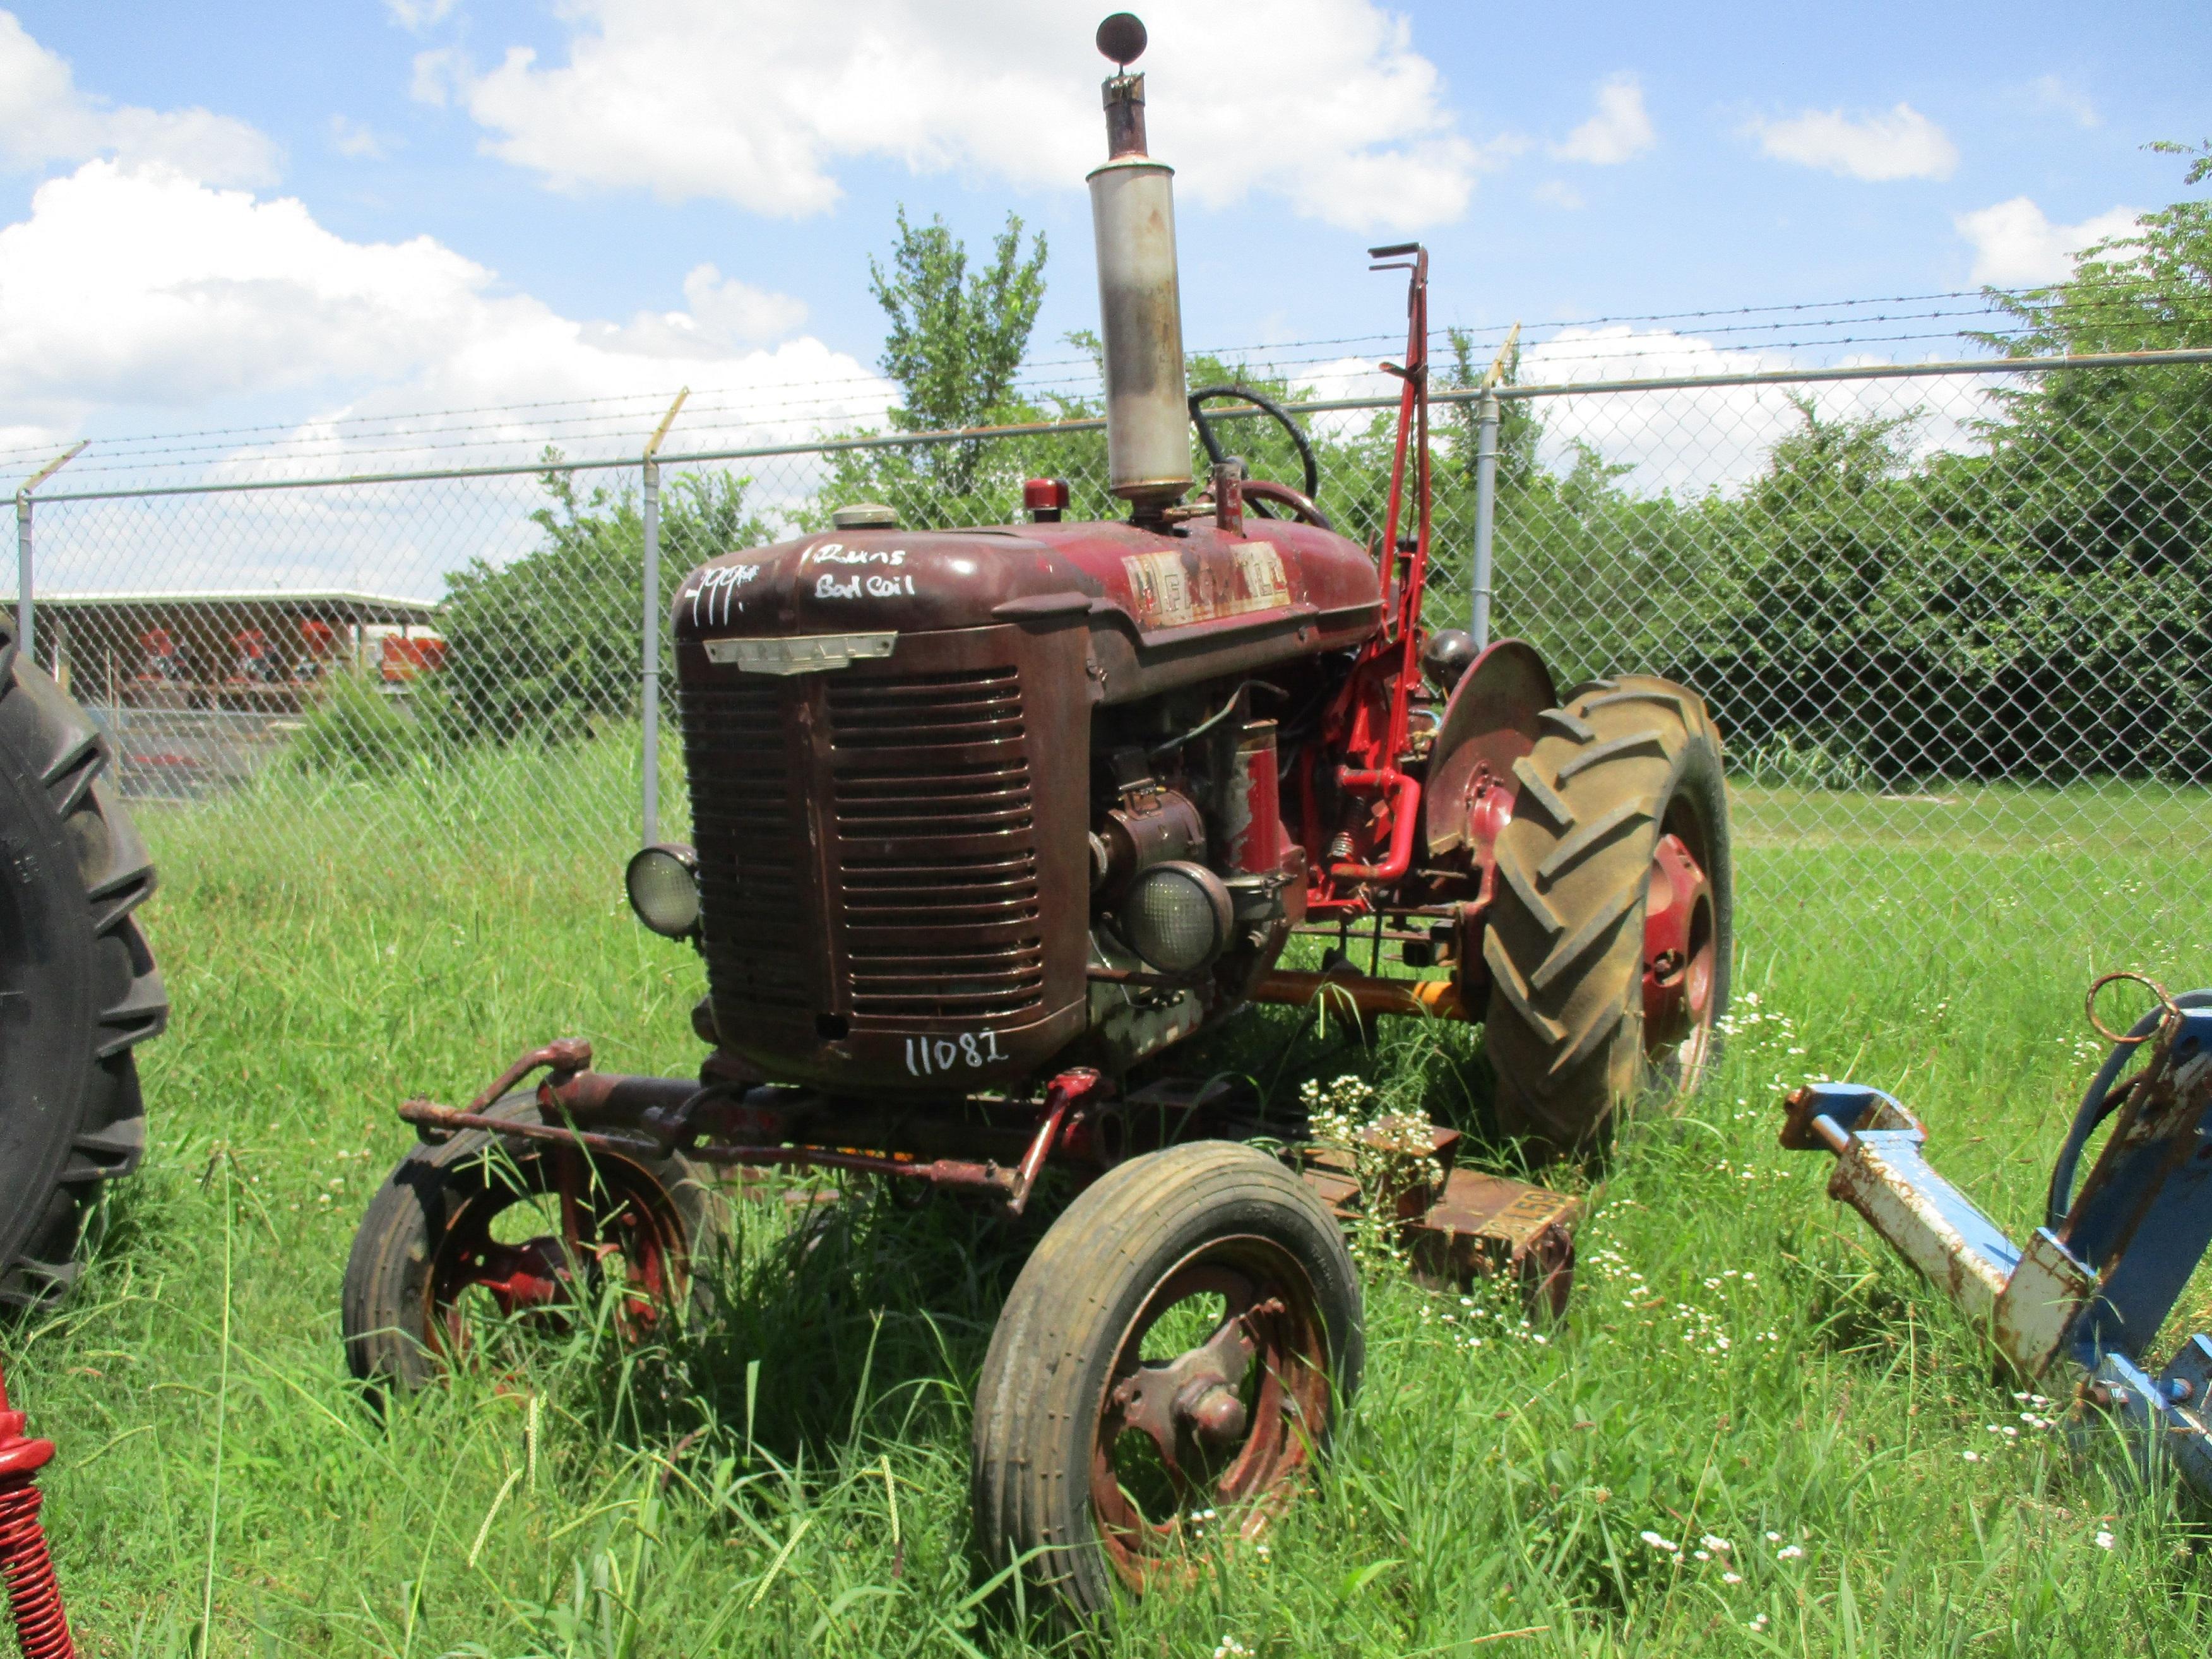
78 988
1623 763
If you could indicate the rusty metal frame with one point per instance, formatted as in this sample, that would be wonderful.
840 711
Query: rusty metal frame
1456 1225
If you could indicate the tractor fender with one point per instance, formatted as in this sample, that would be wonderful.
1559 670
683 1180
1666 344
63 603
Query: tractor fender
1490 722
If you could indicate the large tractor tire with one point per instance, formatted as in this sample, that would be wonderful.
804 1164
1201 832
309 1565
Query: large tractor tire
1609 942
78 988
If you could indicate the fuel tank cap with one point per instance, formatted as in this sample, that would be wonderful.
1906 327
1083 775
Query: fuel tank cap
866 515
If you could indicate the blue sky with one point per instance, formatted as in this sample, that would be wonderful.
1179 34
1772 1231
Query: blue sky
496 203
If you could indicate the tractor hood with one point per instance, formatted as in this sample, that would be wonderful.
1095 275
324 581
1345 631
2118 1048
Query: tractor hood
1164 607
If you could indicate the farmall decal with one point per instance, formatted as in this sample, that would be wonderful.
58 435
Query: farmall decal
1166 594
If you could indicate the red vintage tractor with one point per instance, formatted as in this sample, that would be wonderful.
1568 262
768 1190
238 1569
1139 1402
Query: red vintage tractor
986 820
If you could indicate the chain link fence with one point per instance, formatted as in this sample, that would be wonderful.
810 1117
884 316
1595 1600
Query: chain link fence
1956 626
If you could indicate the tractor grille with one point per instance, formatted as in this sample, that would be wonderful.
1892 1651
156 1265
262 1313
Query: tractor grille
751 881
922 904
936 834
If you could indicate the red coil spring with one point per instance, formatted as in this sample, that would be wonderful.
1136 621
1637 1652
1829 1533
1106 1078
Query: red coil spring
32 1595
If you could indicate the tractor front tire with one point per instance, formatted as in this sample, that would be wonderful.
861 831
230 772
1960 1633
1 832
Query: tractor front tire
1622 787
78 988
1102 1454
426 1252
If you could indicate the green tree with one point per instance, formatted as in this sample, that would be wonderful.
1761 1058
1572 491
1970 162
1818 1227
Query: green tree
547 646
955 348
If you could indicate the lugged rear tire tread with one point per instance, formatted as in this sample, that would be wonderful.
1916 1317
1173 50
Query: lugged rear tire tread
57 799
1565 1022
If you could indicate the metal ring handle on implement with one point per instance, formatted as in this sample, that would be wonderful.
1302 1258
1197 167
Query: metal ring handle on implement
2168 1009
2101 1101
1301 503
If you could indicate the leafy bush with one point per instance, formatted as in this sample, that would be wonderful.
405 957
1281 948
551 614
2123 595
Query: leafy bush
355 729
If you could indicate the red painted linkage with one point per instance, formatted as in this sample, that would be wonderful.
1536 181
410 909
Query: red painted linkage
32 1594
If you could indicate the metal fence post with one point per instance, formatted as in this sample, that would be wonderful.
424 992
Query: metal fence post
650 626
25 616
1485 506
651 635
23 575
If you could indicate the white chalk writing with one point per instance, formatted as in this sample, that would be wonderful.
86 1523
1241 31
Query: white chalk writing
722 583
970 1051
827 587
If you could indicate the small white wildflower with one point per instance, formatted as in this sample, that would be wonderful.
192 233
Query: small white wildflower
1720 1544
1760 1623
1230 1648
1972 1457
1702 1555
1774 1538
2104 1540
1731 1578
1659 1543
1790 1552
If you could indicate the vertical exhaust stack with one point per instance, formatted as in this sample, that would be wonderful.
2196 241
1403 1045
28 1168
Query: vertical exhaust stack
1139 307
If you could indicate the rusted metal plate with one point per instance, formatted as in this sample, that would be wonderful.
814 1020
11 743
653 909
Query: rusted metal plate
2041 1302
1478 1226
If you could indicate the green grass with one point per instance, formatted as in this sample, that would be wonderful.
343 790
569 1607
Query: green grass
791 1474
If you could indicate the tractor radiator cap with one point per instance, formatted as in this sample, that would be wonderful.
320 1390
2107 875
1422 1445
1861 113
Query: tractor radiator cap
866 515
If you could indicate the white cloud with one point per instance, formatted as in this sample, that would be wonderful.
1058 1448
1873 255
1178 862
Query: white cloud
139 286
1899 143
1323 103
2052 92
1559 194
351 138
419 15
737 312
1619 131
43 118
2016 244
1690 441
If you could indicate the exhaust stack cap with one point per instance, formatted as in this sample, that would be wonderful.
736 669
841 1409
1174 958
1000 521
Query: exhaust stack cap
1121 39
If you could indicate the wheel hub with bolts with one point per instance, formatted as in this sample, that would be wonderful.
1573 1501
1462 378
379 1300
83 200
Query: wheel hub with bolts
1223 1426
1201 1391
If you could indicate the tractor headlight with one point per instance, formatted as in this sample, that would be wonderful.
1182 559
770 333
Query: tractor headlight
1177 916
663 882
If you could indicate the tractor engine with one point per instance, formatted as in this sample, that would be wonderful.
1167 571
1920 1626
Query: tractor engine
962 798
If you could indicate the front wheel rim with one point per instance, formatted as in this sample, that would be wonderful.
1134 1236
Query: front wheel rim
1680 967
617 1223
1230 1423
